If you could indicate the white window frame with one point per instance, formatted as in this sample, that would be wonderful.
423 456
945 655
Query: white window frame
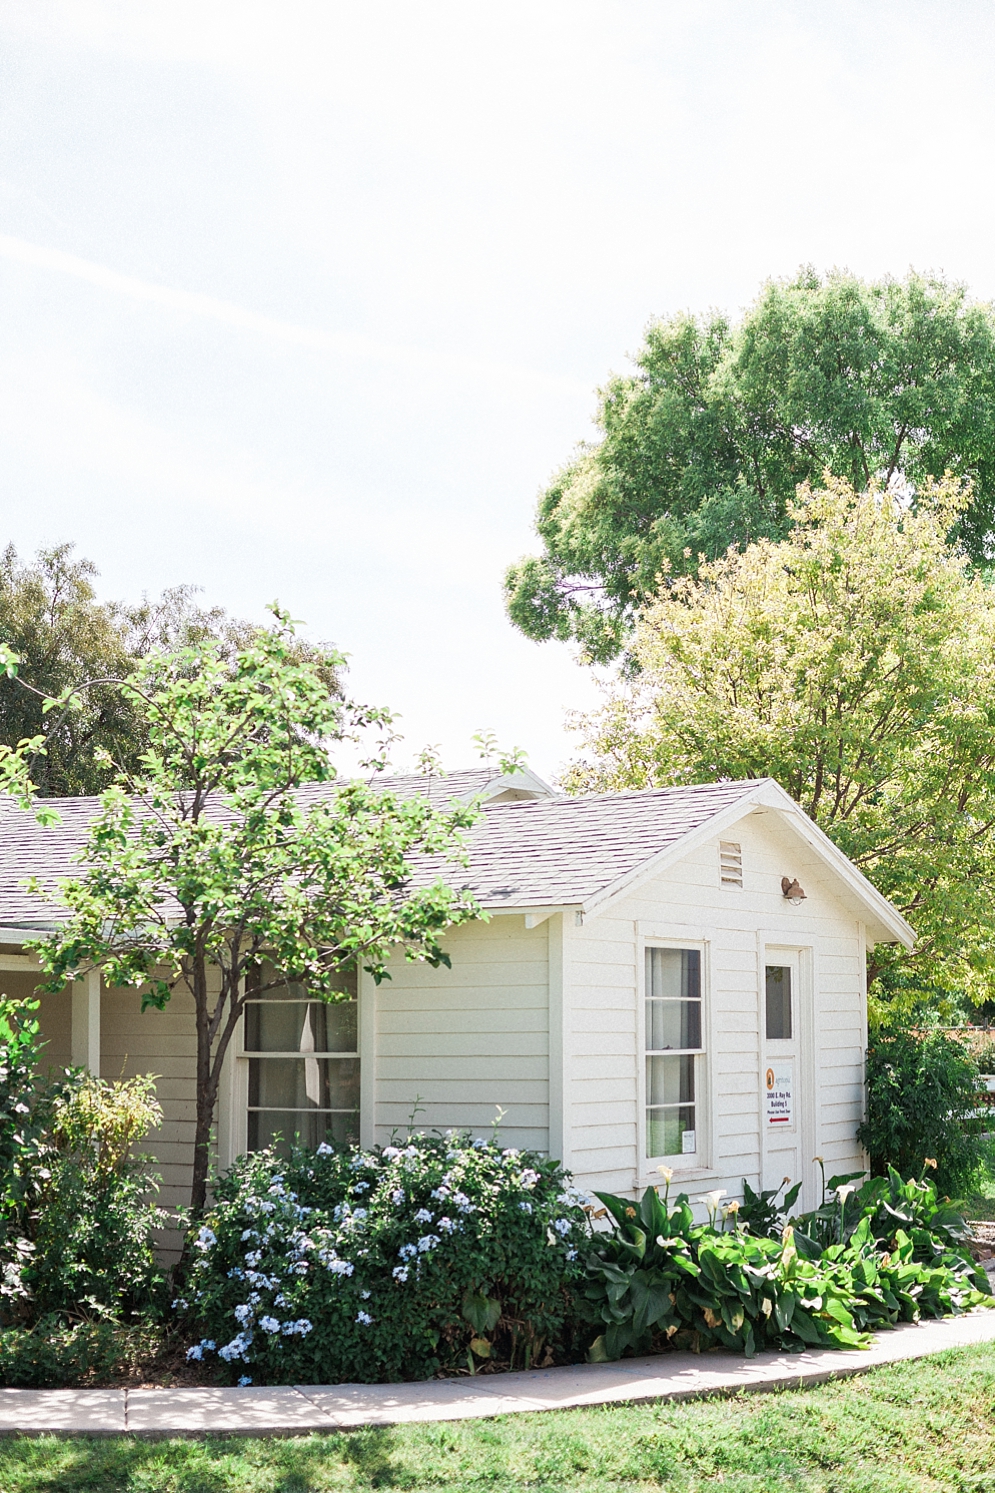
696 1163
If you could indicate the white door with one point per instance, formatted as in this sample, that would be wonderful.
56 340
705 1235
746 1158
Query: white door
784 1078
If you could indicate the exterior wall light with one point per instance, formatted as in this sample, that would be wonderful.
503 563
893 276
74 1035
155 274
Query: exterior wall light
792 891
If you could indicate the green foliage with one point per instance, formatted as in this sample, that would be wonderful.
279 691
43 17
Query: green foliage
853 663
55 1355
235 848
703 446
922 1100
760 1212
67 640
658 1278
384 1264
76 1220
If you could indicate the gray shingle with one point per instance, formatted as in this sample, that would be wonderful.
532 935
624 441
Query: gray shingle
530 854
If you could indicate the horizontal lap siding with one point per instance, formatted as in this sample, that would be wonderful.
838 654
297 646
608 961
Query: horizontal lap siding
688 901
466 1041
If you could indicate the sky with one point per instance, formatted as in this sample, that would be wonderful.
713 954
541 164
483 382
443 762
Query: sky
308 301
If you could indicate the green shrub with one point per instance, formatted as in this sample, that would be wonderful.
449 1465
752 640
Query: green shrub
657 1278
384 1264
77 1262
54 1354
922 1092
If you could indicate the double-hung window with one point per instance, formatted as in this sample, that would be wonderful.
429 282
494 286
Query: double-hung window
673 1050
303 1064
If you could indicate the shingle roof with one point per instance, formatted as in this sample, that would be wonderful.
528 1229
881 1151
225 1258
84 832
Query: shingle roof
536 853
562 851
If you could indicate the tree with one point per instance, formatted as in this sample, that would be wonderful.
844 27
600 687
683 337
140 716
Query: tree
209 863
854 662
64 637
703 445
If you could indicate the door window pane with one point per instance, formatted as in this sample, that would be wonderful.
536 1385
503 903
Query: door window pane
778 992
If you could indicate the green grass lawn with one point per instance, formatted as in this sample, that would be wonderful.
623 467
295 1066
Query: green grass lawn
926 1425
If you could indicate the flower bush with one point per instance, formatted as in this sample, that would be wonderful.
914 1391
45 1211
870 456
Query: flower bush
384 1264
79 1285
889 1252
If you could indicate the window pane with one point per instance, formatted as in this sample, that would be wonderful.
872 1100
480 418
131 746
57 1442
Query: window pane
312 1128
672 1024
303 1083
669 1080
285 1026
673 974
290 990
665 1130
778 1002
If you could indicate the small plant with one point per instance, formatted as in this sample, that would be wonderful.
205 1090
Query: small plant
761 1213
393 1263
658 1279
922 1099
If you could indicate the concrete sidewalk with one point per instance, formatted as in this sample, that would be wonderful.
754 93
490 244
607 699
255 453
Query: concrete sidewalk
296 1410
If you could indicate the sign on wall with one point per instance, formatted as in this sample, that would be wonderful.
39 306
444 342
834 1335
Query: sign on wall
779 1097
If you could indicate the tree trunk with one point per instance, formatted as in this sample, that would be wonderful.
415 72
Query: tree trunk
206 1092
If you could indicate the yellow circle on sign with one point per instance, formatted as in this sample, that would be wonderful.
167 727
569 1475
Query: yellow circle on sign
770 1078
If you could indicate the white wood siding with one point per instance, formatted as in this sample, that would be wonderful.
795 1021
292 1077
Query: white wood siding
603 1029
467 1040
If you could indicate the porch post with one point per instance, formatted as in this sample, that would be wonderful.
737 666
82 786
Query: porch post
85 1043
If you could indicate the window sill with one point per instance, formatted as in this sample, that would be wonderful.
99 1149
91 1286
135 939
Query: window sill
652 1177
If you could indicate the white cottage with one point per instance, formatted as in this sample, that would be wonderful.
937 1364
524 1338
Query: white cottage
670 977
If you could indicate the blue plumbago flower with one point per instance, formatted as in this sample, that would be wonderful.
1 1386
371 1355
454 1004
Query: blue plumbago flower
340 1267
364 1318
463 1203
301 1327
397 1197
480 1143
205 1238
281 1300
562 1226
447 1226
441 1192
400 1272
391 1152
266 1207
196 1352
427 1242
361 1187
365 1295
237 1348
408 1251
249 1234
180 1304
360 1159
423 1216
243 1314
529 1179
525 1207
571 1254
252 1258
325 1150
269 1324
510 1152
245 1379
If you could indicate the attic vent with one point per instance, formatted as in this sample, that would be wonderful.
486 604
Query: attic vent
730 863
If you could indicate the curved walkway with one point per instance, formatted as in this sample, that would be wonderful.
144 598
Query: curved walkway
301 1409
